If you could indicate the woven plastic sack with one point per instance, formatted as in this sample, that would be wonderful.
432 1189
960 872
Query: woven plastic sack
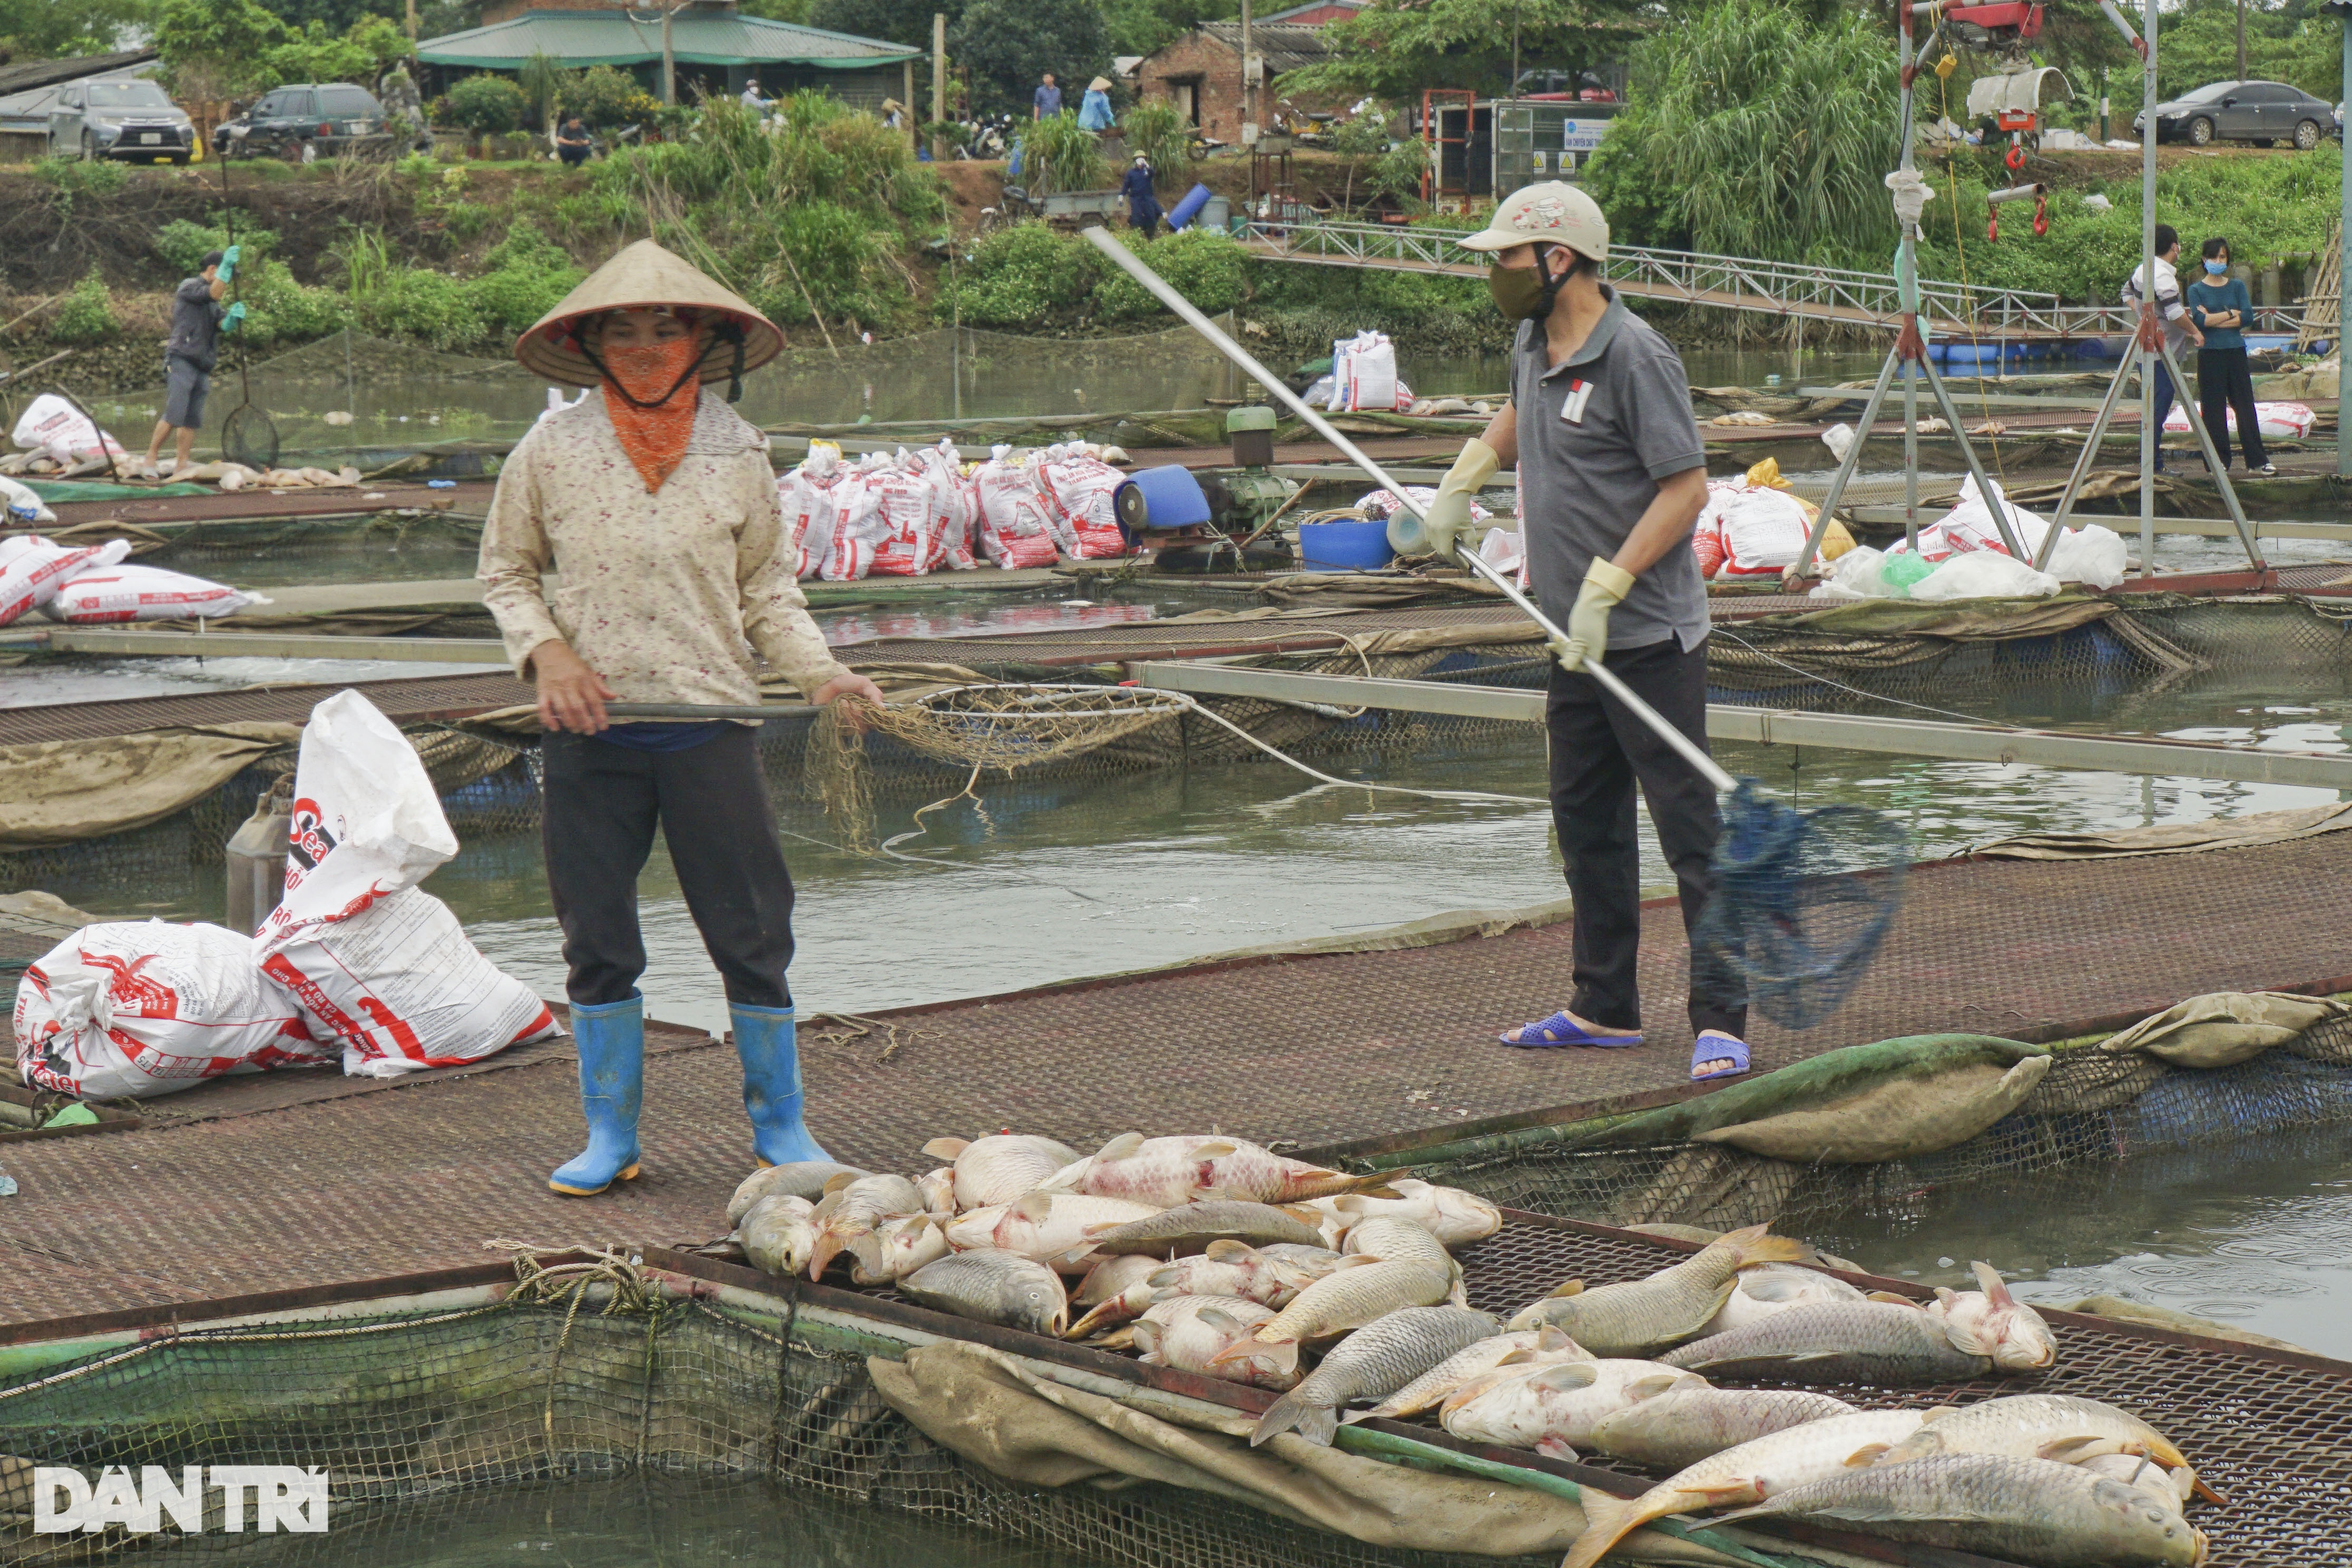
1763 530
1364 374
2092 555
1984 575
51 423
2274 421
145 1008
809 513
20 505
102 597
401 989
34 571
1078 491
1013 525
958 503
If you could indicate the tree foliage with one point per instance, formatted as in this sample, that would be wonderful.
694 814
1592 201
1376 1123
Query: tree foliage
1139 27
1009 44
213 47
1393 48
1753 131
492 105
2297 44
899 21
46 29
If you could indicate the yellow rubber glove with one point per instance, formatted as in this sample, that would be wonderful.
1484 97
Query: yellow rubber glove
1448 517
1605 587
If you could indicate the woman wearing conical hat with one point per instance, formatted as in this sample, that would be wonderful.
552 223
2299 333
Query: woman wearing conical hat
654 501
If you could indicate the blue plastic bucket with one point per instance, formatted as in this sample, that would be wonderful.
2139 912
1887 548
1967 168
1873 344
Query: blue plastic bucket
1189 208
1346 545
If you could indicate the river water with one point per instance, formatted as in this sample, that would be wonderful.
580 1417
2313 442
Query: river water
1082 877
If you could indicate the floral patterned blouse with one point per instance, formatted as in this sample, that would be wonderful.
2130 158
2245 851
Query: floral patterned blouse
668 596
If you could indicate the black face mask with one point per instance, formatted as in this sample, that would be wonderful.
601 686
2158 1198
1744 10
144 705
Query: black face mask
1528 293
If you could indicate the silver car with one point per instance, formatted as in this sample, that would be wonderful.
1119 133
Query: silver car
120 120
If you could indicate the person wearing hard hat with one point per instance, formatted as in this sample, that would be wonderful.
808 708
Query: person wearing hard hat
654 501
1611 479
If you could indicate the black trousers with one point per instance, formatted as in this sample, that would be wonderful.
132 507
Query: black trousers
1599 752
601 805
2224 382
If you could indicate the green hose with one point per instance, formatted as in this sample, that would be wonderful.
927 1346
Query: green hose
1429 1456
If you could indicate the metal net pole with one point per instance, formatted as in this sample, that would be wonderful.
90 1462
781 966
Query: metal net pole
2149 369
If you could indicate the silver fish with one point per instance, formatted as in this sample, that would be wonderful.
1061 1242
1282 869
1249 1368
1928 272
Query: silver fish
1769 1288
1165 1172
1001 1167
1227 1269
1642 1315
800 1179
938 1188
2022 1511
2064 1427
1350 1298
1753 1470
779 1233
1376 1360
1553 1409
896 1248
1189 1333
1876 1342
1051 1228
1541 1347
992 1288
1454 1217
1990 1321
1678 1429
1189 1227
853 1205
2173 1486
1112 1276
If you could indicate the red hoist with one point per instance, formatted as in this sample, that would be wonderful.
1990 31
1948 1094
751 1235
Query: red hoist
2012 98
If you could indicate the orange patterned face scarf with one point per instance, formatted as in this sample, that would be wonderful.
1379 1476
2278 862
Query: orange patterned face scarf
653 434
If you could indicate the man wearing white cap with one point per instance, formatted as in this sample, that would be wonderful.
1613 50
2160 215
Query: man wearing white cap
655 503
1611 479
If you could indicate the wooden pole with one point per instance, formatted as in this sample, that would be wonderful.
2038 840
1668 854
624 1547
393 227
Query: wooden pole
938 79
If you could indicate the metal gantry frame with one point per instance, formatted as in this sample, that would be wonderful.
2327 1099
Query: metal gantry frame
1736 282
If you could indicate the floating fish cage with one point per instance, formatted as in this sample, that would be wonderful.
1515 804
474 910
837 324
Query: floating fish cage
429 1399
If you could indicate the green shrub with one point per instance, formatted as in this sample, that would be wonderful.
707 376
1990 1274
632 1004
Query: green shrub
185 244
465 220
431 307
1056 156
602 95
1021 277
487 105
525 275
1209 269
69 177
280 310
88 314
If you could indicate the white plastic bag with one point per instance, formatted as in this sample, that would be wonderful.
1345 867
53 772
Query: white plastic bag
1969 526
144 1008
2090 554
366 820
34 570
1984 575
95 597
403 989
51 422
1503 552
21 506
1837 438
1856 576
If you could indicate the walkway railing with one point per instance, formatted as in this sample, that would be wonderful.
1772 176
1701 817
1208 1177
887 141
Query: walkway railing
1735 283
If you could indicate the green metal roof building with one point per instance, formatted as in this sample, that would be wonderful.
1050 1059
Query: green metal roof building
716 47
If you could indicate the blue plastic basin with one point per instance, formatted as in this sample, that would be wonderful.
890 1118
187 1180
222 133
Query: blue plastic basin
1346 545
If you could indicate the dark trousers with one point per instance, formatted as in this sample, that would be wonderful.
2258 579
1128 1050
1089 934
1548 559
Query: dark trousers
2163 406
1144 218
2225 381
1599 752
601 803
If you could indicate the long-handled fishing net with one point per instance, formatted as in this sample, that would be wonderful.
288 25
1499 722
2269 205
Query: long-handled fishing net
248 435
1802 898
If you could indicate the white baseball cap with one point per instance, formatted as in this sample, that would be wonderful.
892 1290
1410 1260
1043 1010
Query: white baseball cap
1552 213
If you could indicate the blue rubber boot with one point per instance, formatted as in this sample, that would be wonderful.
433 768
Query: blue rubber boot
765 1040
611 1041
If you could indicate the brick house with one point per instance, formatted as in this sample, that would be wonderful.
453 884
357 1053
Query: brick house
1201 73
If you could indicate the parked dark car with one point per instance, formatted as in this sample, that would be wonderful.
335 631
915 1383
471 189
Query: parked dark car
305 120
2262 112
119 119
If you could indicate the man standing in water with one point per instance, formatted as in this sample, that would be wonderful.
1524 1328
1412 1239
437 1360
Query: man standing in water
1611 477
655 504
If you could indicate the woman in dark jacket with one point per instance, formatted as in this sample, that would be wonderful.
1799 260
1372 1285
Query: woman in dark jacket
2222 305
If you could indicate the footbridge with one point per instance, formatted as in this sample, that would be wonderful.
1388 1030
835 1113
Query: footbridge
1784 289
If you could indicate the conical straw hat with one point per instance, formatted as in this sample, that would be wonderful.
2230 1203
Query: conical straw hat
641 276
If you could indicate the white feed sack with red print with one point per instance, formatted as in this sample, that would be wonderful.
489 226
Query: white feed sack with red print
100 597
373 962
808 512
34 570
144 1008
1014 526
1079 489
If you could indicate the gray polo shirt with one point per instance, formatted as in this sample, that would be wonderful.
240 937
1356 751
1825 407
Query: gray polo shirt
1597 432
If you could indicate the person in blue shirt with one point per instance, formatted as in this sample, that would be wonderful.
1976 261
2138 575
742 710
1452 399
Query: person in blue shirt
1094 109
1142 202
2222 306
1047 101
